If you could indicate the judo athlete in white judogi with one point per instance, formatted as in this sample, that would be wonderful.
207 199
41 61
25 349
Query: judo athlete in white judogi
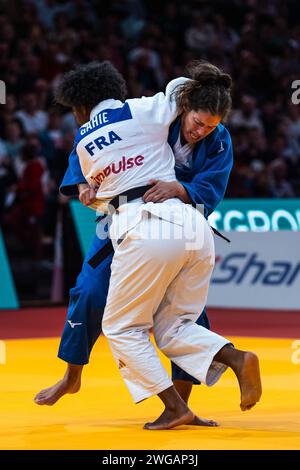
164 252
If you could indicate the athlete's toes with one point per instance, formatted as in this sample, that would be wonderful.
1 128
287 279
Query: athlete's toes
250 406
38 397
247 407
213 423
39 400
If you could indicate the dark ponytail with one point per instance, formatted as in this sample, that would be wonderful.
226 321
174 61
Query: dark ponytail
209 90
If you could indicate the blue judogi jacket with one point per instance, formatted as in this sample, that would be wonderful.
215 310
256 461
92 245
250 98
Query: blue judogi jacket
205 179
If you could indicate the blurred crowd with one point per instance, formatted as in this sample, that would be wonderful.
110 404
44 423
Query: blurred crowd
150 42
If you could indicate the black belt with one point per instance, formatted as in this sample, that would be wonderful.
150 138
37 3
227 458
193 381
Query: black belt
123 198
219 234
130 195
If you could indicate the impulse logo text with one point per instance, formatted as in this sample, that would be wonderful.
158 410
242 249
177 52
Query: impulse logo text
123 165
244 267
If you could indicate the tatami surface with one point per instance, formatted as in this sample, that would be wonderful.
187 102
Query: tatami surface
102 415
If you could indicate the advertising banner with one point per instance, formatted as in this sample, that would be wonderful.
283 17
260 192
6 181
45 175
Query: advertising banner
257 270
85 226
8 297
260 268
257 215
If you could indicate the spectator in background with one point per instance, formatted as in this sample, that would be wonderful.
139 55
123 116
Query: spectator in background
42 90
32 118
257 43
14 141
292 128
279 185
7 178
25 217
48 9
247 116
260 180
201 36
147 62
7 113
52 138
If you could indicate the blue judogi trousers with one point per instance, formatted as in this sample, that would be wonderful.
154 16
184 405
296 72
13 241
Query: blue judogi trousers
85 312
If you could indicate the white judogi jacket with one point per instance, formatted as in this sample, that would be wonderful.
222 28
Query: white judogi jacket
124 145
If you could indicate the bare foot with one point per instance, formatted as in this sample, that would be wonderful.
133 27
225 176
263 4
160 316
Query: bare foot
249 380
170 419
69 384
203 422
51 395
184 388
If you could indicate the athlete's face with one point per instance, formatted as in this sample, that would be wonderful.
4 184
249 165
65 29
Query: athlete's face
196 125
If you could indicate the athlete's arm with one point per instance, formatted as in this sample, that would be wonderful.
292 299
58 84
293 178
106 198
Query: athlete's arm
208 186
156 113
73 176
163 190
87 195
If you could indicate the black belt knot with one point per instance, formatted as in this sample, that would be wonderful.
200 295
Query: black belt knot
129 195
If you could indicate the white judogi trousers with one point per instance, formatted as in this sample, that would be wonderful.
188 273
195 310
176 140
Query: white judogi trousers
160 275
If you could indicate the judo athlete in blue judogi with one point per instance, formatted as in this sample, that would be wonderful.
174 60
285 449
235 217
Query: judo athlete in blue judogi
203 161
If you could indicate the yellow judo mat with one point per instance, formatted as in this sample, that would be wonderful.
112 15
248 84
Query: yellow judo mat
102 415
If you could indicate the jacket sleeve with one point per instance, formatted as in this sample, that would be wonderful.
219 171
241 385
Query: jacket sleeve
209 185
73 176
155 113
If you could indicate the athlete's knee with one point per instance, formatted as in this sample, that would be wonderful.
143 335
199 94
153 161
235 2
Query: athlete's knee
122 333
89 294
164 339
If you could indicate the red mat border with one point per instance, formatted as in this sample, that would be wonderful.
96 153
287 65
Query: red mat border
49 322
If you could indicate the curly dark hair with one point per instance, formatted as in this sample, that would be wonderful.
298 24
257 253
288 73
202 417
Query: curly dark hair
89 84
209 90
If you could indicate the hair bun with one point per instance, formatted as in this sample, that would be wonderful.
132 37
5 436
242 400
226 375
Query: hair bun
207 74
224 80
205 78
